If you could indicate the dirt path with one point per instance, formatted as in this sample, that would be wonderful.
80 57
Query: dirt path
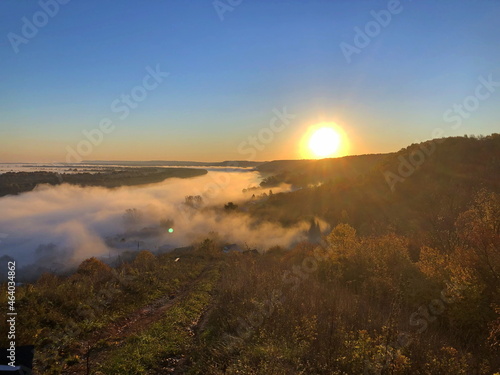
116 333
182 365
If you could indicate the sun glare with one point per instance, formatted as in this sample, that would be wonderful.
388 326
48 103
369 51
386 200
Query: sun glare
323 141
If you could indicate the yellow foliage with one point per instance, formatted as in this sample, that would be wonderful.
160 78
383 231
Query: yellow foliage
342 240
433 263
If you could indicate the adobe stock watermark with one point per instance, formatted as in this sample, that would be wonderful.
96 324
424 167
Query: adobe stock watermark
290 281
408 164
363 37
420 319
223 6
462 111
251 146
265 135
30 26
121 106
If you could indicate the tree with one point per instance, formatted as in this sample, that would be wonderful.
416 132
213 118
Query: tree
194 201
166 223
314 232
132 217
434 263
230 206
144 260
342 239
95 270
479 233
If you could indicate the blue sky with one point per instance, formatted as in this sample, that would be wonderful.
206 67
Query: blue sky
227 76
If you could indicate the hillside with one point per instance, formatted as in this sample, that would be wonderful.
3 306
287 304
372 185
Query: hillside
391 193
303 172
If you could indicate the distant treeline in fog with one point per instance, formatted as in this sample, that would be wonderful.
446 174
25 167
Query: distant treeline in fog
19 182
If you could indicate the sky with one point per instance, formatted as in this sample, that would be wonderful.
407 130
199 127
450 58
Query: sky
241 79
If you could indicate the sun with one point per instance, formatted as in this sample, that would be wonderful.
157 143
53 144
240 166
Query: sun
324 140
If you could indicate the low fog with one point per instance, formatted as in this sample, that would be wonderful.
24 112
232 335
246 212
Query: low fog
55 228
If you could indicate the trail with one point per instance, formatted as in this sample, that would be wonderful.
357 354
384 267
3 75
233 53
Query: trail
117 332
182 365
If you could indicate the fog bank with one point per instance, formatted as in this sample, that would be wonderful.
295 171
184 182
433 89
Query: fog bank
58 226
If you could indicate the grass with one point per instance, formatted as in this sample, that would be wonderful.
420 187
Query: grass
165 342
